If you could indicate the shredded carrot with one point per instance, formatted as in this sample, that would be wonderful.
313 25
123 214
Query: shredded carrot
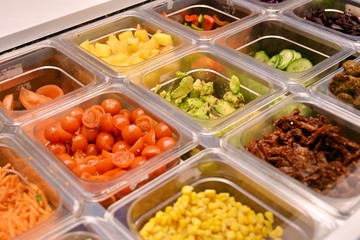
22 206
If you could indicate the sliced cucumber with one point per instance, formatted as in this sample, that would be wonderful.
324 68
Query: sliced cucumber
297 55
274 61
261 56
287 56
299 65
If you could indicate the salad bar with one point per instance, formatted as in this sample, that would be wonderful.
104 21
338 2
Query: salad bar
186 120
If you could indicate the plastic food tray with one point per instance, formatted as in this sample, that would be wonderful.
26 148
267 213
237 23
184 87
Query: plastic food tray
223 163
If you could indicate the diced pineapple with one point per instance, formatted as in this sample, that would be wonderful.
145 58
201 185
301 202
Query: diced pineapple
165 48
85 45
116 46
145 54
163 39
155 52
150 45
119 59
102 50
142 35
134 59
125 35
132 44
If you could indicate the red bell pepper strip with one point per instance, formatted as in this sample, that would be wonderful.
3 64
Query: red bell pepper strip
164 14
208 22
193 19
219 22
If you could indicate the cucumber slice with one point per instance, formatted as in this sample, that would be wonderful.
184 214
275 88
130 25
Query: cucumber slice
287 56
299 65
297 55
261 56
274 60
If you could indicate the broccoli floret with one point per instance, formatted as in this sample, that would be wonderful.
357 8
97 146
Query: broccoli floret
184 87
224 108
235 84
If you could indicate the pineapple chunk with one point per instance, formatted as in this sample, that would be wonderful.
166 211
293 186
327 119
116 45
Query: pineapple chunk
163 39
142 35
145 54
102 50
116 46
85 45
125 35
132 44
135 58
119 59
150 45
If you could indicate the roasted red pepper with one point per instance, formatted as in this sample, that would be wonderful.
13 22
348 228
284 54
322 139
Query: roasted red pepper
193 19
219 22
208 22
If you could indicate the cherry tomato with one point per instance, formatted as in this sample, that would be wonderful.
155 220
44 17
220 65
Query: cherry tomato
70 124
145 122
136 113
106 154
64 135
64 156
126 113
120 146
137 147
89 133
56 148
131 133
106 123
70 163
79 143
51 133
138 161
104 140
115 172
104 165
123 159
162 130
80 169
157 172
79 157
149 137
166 143
77 113
91 150
111 105
92 117
120 121
150 151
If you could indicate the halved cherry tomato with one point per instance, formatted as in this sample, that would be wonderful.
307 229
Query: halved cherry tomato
104 165
50 90
64 156
126 113
56 148
149 137
94 178
70 124
150 151
166 143
123 159
104 140
64 135
92 117
89 133
8 101
70 163
162 130
138 161
29 99
137 112
120 146
80 169
131 133
92 149
77 113
137 147
111 105
120 121
145 122
79 157
51 133
106 123
115 172
79 143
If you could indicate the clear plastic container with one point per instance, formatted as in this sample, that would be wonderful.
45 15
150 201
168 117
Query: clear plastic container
331 8
231 12
274 33
333 196
214 169
100 31
39 66
276 6
321 90
103 190
209 65
64 206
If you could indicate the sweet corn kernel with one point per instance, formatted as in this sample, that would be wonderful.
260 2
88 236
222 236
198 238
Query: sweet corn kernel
187 190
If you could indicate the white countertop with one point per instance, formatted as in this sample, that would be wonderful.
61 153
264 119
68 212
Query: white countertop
23 21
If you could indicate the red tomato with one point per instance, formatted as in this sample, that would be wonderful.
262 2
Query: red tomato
104 140
115 172
120 146
123 159
92 150
64 156
111 105
138 161
162 130
89 133
64 135
131 133
136 113
80 169
77 113
145 122
166 143
137 147
149 137
79 143
106 123
120 121
56 148
104 165
150 151
51 133
92 116
70 124
157 172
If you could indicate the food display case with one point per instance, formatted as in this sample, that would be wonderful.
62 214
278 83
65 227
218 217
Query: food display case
186 119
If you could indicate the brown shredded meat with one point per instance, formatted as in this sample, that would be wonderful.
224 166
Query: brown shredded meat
312 150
